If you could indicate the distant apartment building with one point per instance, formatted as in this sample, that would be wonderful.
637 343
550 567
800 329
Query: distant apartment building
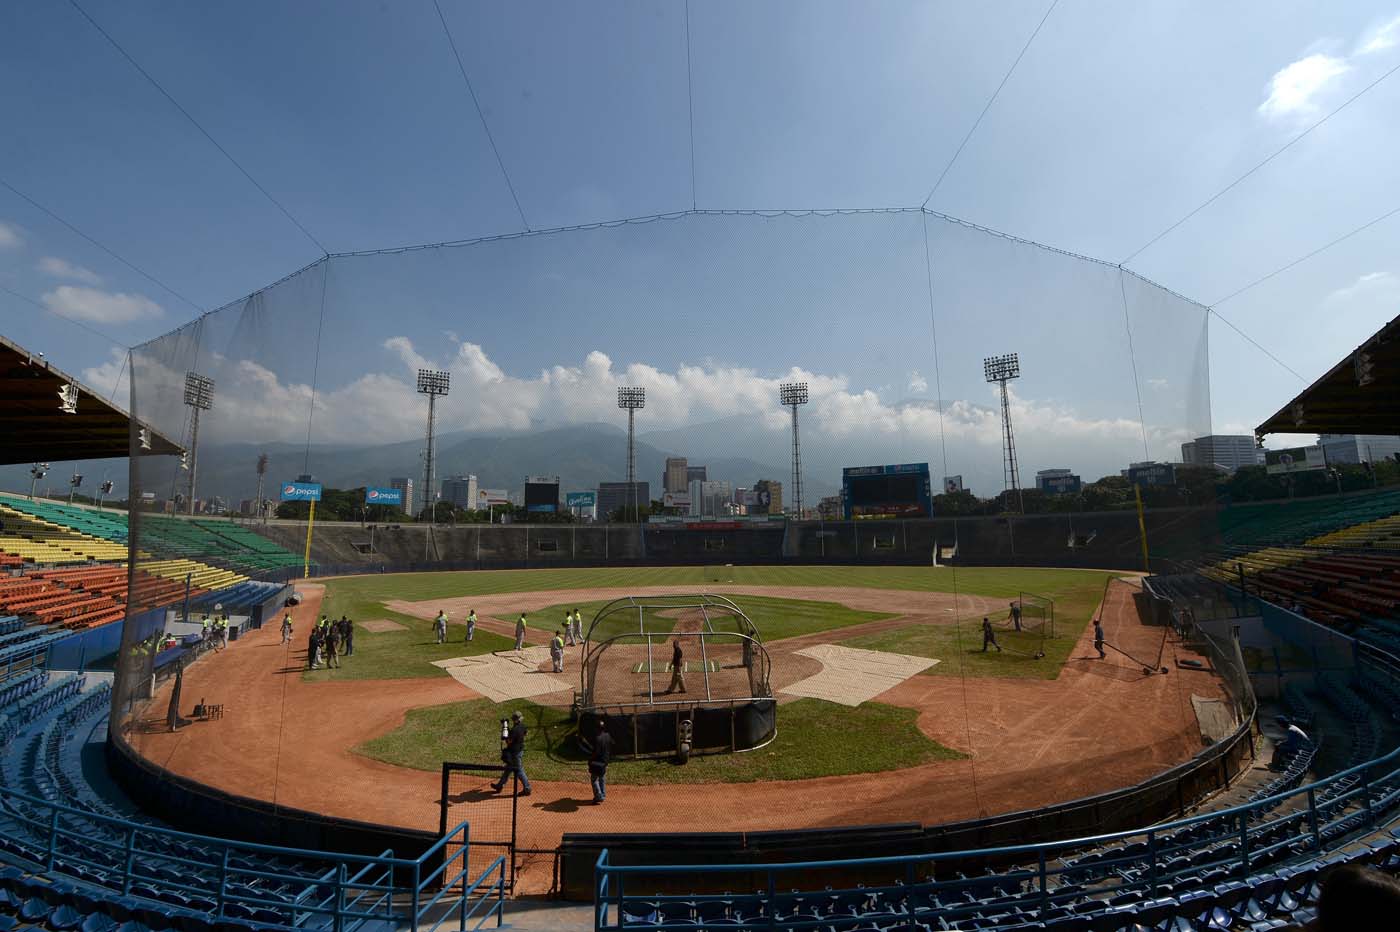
1358 448
404 485
461 491
613 496
710 498
767 497
676 477
1229 451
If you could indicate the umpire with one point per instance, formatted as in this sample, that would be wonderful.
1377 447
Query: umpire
513 754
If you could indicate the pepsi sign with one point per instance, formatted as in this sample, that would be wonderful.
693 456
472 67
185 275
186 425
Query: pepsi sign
301 491
384 497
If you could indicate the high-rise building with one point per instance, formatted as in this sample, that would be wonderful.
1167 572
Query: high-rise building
710 498
767 497
404 485
695 474
1358 448
676 478
613 496
1230 451
461 491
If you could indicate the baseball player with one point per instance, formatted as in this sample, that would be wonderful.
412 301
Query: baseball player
520 632
440 626
556 650
568 629
1016 616
471 625
989 637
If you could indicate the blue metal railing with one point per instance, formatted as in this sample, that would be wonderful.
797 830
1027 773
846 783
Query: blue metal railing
244 879
1236 841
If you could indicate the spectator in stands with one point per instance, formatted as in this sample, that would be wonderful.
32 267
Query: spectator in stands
440 626
1098 637
347 635
513 755
471 625
1355 897
1016 616
677 668
556 650
520 632
598 763
286 627
989 637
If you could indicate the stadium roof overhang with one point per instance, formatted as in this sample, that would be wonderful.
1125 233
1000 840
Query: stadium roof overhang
35 427
1359 395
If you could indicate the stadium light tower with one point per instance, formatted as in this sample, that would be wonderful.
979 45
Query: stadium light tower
199 395
1002 369
36 472
792 395
431 383
632 400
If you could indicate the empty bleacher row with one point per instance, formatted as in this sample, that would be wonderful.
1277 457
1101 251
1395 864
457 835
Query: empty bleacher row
1342 589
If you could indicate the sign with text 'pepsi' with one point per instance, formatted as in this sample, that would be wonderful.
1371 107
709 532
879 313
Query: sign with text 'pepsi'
384 497
301 491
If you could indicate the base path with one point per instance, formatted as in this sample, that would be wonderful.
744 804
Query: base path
1100 725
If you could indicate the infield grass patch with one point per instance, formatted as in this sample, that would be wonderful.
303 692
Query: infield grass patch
815 739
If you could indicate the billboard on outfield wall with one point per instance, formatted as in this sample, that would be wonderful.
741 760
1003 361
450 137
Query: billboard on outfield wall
384 497
301 491
1294 459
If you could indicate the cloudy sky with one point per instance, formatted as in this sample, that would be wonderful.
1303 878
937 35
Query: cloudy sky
1118 121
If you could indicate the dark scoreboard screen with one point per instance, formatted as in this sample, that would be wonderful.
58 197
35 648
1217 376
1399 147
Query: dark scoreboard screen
542 496
897 491
880 490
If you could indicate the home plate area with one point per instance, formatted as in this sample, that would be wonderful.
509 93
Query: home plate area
506 675
851 676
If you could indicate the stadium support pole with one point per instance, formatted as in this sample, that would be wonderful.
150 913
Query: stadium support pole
306 557
1142 527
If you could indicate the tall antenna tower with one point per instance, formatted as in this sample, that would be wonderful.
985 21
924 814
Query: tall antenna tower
1002 369
794 394
632 399
199 395
431 383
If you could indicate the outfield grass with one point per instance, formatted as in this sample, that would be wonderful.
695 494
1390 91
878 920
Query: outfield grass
408 653
774 618
815 739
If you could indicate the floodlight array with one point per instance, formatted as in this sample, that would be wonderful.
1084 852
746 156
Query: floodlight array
433 382
632 398
793 393
199 391
1002 368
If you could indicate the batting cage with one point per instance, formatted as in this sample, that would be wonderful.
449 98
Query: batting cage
717 698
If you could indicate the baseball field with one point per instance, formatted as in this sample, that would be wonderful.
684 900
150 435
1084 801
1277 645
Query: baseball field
961 733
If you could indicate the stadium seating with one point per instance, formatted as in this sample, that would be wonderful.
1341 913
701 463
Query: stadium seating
21 527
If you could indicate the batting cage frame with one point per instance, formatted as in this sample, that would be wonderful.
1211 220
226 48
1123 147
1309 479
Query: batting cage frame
490 847
734 709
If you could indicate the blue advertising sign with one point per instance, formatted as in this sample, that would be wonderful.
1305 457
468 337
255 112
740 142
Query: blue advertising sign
301 491
580 499
384 497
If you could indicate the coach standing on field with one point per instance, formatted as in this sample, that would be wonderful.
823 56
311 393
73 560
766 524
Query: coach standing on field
598 763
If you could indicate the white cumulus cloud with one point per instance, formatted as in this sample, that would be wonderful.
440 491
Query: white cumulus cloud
101 307
10 237
917 383
1294 88
62 268
1384 37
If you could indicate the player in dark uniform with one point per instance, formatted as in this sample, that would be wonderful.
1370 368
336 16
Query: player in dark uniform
989 637
598 763
1098 638
513 755
1016 615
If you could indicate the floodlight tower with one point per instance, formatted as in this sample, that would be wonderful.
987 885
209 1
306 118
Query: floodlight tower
1002 369
199 395
36 472
632 400
792 395
432 383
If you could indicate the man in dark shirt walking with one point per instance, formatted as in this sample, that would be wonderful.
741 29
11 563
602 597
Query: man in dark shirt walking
598 763
1098 638
514 754
677 669
989 636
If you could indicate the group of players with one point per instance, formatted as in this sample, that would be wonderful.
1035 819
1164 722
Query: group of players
570 635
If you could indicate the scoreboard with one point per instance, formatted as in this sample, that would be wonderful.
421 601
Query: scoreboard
896 491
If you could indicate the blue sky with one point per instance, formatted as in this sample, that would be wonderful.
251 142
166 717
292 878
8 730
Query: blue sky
1119 119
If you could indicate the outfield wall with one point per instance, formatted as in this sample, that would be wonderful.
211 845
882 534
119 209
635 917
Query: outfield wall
1107 540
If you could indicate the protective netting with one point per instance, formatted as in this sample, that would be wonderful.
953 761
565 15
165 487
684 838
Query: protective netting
887 316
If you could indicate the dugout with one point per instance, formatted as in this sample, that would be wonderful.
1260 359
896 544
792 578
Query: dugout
626 677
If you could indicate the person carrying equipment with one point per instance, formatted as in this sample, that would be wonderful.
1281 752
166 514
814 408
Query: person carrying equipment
989 636
513 755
